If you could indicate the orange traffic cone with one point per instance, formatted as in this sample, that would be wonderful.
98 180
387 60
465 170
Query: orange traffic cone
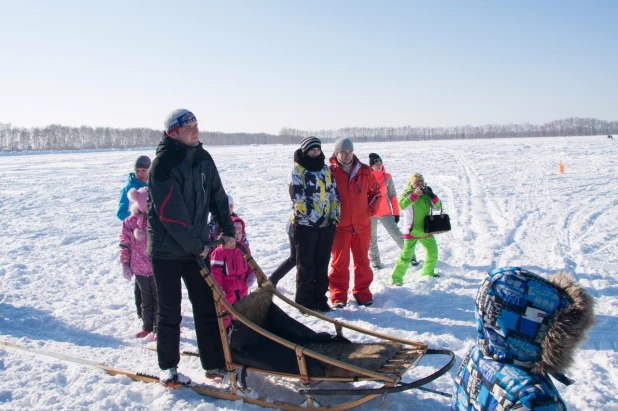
560 168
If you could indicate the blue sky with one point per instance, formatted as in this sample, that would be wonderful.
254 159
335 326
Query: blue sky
258 66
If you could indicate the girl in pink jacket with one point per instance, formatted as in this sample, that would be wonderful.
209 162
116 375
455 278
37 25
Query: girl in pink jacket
135 261
230 270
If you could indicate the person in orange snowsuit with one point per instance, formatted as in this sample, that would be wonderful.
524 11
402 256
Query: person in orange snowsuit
358 196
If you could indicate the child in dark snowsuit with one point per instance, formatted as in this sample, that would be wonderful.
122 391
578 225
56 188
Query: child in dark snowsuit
135 260
528 329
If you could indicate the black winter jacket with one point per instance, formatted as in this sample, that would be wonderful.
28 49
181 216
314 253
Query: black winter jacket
183 187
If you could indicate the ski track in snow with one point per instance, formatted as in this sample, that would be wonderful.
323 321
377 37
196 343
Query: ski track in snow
62 288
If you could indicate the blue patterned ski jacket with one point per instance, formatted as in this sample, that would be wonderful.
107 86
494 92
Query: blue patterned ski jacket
528 327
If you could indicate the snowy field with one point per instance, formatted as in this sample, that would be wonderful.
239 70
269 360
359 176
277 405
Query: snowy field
61 286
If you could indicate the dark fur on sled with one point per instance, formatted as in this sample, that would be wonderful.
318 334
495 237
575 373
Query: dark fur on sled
369 356
254 306
568 328
251 349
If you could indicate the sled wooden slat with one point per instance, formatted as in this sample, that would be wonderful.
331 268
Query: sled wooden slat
399 367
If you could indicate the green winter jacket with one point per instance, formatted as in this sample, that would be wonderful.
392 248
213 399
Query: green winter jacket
414 217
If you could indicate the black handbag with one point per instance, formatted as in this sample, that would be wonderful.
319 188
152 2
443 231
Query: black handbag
437 223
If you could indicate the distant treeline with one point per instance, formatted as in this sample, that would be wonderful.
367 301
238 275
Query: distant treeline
57 137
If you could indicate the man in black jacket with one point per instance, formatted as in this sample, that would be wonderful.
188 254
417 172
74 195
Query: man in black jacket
183 187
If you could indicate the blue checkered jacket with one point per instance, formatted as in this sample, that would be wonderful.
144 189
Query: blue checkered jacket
485 384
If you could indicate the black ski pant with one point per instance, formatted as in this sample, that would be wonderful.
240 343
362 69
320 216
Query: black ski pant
138 299
167 274
313 247
287 264
148 291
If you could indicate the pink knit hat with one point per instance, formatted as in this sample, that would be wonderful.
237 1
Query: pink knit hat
137 200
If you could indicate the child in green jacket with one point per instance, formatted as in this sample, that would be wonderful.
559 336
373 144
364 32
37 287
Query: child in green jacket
415 204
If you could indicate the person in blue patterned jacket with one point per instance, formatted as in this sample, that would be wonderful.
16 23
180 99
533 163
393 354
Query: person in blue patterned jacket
315 205
528 329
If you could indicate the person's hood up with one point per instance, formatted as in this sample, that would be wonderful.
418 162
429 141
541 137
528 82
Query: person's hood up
528 321
238 220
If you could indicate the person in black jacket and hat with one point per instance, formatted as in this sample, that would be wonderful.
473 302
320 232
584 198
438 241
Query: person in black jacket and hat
315 207
183 187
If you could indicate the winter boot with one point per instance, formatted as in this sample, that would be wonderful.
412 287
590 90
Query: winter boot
366 303
142 334
219 375
172 376
322 307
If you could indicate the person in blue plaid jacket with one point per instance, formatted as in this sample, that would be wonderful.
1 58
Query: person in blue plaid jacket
528 329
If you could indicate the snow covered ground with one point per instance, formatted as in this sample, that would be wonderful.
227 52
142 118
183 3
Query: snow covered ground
61 287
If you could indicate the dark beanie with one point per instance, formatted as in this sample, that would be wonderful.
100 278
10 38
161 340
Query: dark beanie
374 158
310 142
142 162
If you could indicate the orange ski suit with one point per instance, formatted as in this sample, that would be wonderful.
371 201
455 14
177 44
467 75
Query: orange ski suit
359 195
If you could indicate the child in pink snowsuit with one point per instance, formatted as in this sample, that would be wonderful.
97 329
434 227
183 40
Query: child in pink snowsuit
135 261
230 270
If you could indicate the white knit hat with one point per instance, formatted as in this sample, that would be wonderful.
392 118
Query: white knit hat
177 119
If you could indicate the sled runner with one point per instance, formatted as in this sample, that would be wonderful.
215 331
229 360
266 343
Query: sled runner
261 329
201 389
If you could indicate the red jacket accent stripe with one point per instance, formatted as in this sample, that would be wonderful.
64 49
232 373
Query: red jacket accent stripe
165 219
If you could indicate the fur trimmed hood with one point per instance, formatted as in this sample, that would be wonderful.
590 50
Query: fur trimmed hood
530 322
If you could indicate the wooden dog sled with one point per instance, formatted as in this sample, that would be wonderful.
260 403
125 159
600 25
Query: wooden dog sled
385 362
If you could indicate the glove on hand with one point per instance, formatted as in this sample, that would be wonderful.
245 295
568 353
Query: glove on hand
126 272
396 219
428 191
250 280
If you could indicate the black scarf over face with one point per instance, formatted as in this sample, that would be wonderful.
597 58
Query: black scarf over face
311 164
